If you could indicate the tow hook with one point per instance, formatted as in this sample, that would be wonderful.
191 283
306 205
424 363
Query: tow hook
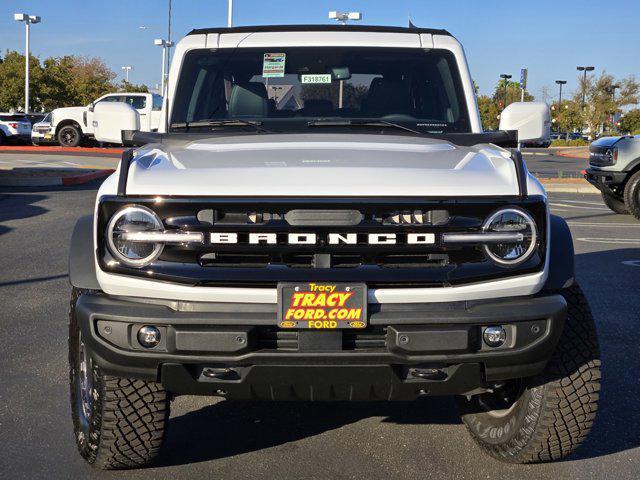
428 373
219 373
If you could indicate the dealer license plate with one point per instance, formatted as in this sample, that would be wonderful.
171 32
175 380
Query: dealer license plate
322 306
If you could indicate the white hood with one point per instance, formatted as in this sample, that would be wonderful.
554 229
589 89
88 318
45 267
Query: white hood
322 165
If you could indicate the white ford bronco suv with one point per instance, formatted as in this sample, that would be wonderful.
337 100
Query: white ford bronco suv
321 217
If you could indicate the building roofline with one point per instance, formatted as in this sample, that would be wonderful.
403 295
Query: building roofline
319 28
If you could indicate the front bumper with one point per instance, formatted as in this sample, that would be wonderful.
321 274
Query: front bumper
408 349
605 180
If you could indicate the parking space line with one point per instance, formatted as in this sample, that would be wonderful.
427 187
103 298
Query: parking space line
617 225
622 241
578 207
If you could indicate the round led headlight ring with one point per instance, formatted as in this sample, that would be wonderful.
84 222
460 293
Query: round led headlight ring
134 219
511 252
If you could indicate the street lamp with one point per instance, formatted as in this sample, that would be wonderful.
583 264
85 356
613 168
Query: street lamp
560 83
165 44
28 20
126 68
584 81
506 78
342 18
230 15
612 89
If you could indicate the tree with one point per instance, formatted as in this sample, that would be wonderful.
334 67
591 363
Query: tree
602 102
12 82
568 117
630 122
125 86
56 82
489 112
514 93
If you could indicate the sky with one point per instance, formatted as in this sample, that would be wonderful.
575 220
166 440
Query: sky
550 38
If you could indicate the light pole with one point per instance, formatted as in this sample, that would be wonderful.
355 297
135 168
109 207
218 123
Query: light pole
560 83
161 42
612 89
126 69
342 18
506 78
169 43
28 20
230 14
584 82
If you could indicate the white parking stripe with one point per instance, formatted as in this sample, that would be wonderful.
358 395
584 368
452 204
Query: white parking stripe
617 225
577 207
599 204
622 241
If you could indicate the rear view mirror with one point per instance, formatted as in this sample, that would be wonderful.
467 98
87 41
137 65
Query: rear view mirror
531 120
111 118
340 73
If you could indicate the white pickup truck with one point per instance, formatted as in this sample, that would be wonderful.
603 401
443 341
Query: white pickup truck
71 125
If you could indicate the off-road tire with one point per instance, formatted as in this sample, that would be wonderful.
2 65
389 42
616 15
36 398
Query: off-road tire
615 204
632 195
69 136
128 418
555 410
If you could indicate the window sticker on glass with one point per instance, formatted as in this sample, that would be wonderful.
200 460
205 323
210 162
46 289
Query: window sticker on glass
273 65
324 78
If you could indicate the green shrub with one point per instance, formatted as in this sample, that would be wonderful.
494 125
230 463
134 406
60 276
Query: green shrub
570 143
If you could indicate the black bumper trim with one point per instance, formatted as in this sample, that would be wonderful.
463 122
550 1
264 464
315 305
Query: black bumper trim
230 328
605 180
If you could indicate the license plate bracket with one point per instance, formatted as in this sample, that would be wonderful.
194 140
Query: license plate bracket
322 305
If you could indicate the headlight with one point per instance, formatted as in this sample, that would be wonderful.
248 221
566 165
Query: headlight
514 251
124 226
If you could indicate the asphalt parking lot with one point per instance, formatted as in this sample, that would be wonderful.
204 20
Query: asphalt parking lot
209 437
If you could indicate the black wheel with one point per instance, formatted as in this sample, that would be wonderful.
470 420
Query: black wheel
118 422
615 204
546 417
632 195
69 136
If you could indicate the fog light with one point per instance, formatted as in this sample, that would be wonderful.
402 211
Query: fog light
494 336
149 336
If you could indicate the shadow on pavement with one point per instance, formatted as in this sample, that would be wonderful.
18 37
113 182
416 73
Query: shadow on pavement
232 427
17 206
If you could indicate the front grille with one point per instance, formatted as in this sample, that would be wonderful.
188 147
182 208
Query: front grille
369 339
342 230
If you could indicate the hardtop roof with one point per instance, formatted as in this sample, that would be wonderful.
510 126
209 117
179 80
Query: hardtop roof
319 28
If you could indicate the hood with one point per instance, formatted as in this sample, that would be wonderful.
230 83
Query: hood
322 165
606 141
67 111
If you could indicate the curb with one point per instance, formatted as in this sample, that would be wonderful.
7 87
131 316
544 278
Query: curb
567 185
54 181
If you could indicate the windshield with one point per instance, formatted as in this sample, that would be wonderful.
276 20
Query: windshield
294 88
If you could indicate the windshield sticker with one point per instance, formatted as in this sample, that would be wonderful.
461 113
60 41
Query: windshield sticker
325 78
273 65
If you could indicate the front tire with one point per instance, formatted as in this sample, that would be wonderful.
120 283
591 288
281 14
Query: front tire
69 136
546 417
118 423
615 204
632 195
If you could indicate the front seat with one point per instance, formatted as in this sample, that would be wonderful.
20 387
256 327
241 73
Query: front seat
387 97
249 100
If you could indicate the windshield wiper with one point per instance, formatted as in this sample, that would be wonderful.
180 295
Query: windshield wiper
361 123
230 122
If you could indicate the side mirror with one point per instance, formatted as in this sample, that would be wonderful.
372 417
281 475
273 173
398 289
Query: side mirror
111 118
532 120
92 107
